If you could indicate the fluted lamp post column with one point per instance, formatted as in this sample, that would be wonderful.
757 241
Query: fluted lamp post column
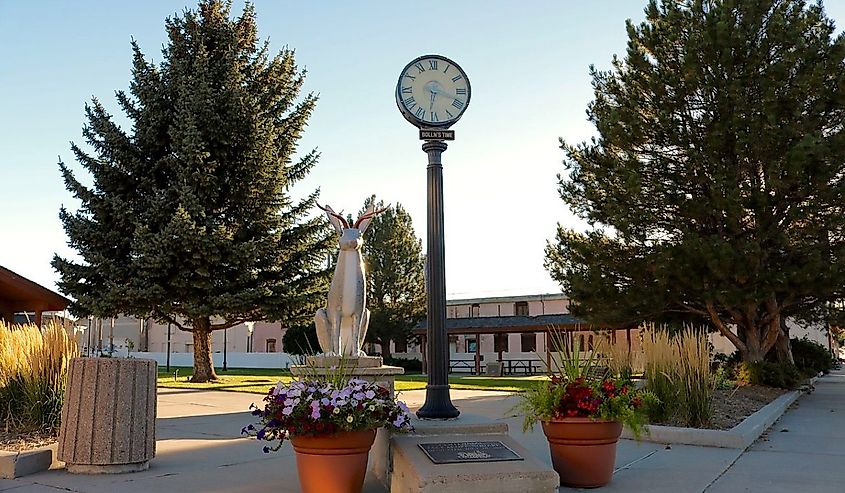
438 403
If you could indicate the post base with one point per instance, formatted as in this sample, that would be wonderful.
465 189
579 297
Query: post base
107 469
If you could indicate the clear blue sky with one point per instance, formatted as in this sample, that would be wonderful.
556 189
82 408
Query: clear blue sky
527 62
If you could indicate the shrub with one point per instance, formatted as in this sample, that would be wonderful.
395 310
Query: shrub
810 357
33 374
580 387
678 373
410 365
781 375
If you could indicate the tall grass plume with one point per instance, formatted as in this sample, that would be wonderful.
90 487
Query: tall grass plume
677 371
33 375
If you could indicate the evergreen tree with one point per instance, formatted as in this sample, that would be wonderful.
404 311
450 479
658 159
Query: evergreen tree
716 182
189 218
395 268
301 340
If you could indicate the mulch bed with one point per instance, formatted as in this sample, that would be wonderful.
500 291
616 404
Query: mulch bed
17 441
730 407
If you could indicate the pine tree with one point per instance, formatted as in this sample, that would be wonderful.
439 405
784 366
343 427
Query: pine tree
189 218
395 268
716 182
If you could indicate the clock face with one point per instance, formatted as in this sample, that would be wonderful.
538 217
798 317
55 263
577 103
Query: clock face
432 91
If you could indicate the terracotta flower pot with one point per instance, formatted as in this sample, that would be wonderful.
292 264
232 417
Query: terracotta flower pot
583 451
334 463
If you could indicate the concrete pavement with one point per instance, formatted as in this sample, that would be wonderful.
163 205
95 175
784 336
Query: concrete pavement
199 449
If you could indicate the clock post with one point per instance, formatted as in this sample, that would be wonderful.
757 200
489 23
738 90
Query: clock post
432 93
438 404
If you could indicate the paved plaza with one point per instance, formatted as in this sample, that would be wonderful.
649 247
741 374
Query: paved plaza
200 450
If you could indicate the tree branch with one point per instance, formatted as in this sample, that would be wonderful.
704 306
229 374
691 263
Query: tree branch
714 317
163 316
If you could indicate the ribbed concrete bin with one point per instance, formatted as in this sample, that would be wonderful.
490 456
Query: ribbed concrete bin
108 417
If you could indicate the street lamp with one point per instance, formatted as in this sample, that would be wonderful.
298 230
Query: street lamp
168 347
250 327
225 332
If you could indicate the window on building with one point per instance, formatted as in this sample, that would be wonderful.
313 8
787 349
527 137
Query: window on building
500 343
581 346
471 345
271 345
520 308
529 343
400 345
590 343
475 309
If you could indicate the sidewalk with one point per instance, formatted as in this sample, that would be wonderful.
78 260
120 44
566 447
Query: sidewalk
199 449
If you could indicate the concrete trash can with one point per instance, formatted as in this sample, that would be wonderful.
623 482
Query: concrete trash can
108 416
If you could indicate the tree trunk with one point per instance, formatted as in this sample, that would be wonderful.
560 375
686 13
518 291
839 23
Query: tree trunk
385 348
753 345
783 348
203 364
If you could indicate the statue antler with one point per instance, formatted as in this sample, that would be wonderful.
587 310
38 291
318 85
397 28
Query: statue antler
328 210
368 216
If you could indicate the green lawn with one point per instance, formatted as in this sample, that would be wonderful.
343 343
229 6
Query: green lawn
259 381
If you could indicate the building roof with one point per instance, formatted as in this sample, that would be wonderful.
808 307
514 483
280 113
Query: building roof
19 294
508 324
507 299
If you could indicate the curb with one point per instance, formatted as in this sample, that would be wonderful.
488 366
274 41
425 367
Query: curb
16 464
739 437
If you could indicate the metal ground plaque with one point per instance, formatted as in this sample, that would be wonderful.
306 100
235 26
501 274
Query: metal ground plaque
457 452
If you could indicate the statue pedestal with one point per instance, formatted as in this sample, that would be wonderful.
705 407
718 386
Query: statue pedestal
371 369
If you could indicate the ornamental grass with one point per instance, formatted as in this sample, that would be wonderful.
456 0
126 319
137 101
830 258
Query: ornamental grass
33 374
677 371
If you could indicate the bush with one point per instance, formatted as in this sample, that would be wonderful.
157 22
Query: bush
725 378
410 365
810 357
781 375
33 374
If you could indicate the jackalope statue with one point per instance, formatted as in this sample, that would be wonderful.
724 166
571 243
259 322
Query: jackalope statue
342 325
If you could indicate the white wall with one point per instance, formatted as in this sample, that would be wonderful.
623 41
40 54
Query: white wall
815 333
233 360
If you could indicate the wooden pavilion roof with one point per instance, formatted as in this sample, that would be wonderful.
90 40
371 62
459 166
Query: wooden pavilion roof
19 294
512 324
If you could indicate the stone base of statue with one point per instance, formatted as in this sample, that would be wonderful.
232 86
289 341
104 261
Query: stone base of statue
371 369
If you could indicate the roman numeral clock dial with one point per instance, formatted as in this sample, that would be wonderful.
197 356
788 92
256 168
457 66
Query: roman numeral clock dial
432 92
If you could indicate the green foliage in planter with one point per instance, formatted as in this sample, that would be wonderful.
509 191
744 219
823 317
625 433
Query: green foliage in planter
781 375
811 357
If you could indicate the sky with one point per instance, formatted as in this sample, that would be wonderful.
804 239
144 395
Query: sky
528 63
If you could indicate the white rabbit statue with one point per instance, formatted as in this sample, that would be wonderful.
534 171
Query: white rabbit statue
342 325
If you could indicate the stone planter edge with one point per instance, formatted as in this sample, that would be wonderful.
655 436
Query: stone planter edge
17 464
739 437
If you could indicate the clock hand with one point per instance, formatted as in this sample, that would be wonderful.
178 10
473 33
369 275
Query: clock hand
438 89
